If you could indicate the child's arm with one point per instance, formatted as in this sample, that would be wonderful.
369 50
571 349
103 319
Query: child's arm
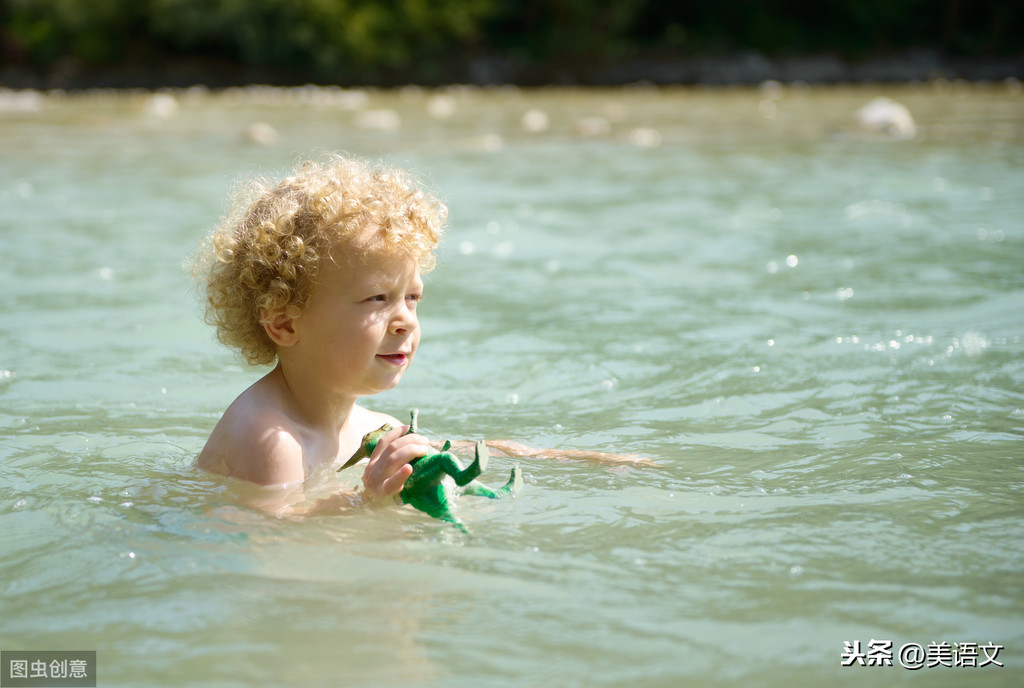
515 449
384 476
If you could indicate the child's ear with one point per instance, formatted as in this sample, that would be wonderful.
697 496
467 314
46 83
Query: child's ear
279 324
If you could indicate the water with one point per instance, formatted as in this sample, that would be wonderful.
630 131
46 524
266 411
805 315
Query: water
815 332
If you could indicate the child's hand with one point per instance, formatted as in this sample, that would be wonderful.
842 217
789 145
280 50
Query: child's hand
388 467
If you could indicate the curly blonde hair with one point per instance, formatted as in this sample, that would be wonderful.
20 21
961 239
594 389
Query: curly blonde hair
266 253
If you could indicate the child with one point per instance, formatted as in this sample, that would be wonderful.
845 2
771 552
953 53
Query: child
322 274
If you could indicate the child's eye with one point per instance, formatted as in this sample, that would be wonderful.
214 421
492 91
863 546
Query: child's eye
378 297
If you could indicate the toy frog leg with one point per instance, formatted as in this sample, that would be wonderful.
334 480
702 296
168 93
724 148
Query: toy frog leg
480 490
512 487
431 468
479 465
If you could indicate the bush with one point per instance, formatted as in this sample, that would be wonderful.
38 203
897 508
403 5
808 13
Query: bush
337 39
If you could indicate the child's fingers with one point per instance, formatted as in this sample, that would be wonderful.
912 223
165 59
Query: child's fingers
417 444
385 441
400 447
388 467
396 482
376 473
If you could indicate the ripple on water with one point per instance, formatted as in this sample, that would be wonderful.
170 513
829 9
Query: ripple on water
818 339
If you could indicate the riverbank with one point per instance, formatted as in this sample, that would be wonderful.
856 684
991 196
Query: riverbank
740 69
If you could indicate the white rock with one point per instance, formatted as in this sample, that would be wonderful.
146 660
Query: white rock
382 120
888 118
261 134
535 121
21 101
161 106
591 127
441 106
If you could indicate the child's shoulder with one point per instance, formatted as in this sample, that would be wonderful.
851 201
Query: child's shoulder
366 420
255 440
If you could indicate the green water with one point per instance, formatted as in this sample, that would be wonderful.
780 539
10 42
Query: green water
815 332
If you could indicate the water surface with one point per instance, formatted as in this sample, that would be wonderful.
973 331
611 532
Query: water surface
816 332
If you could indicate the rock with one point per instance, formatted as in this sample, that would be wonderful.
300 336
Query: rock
593 127
260 134
441 106
382 120
645 137
885 117
535 121
21 101
161 106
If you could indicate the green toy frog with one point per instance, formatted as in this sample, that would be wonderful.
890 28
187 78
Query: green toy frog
424 489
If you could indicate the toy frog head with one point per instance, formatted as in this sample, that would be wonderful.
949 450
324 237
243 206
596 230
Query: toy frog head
367 445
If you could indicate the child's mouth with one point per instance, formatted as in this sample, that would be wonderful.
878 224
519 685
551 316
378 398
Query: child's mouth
395 359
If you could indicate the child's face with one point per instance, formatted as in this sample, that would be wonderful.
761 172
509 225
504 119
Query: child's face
360 330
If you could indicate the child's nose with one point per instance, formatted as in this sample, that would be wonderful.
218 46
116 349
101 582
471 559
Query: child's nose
404 319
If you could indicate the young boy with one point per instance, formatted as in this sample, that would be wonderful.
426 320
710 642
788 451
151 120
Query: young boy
321 273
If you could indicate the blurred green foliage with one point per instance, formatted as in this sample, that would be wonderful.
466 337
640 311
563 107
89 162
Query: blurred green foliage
332 39
851 28
322 36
